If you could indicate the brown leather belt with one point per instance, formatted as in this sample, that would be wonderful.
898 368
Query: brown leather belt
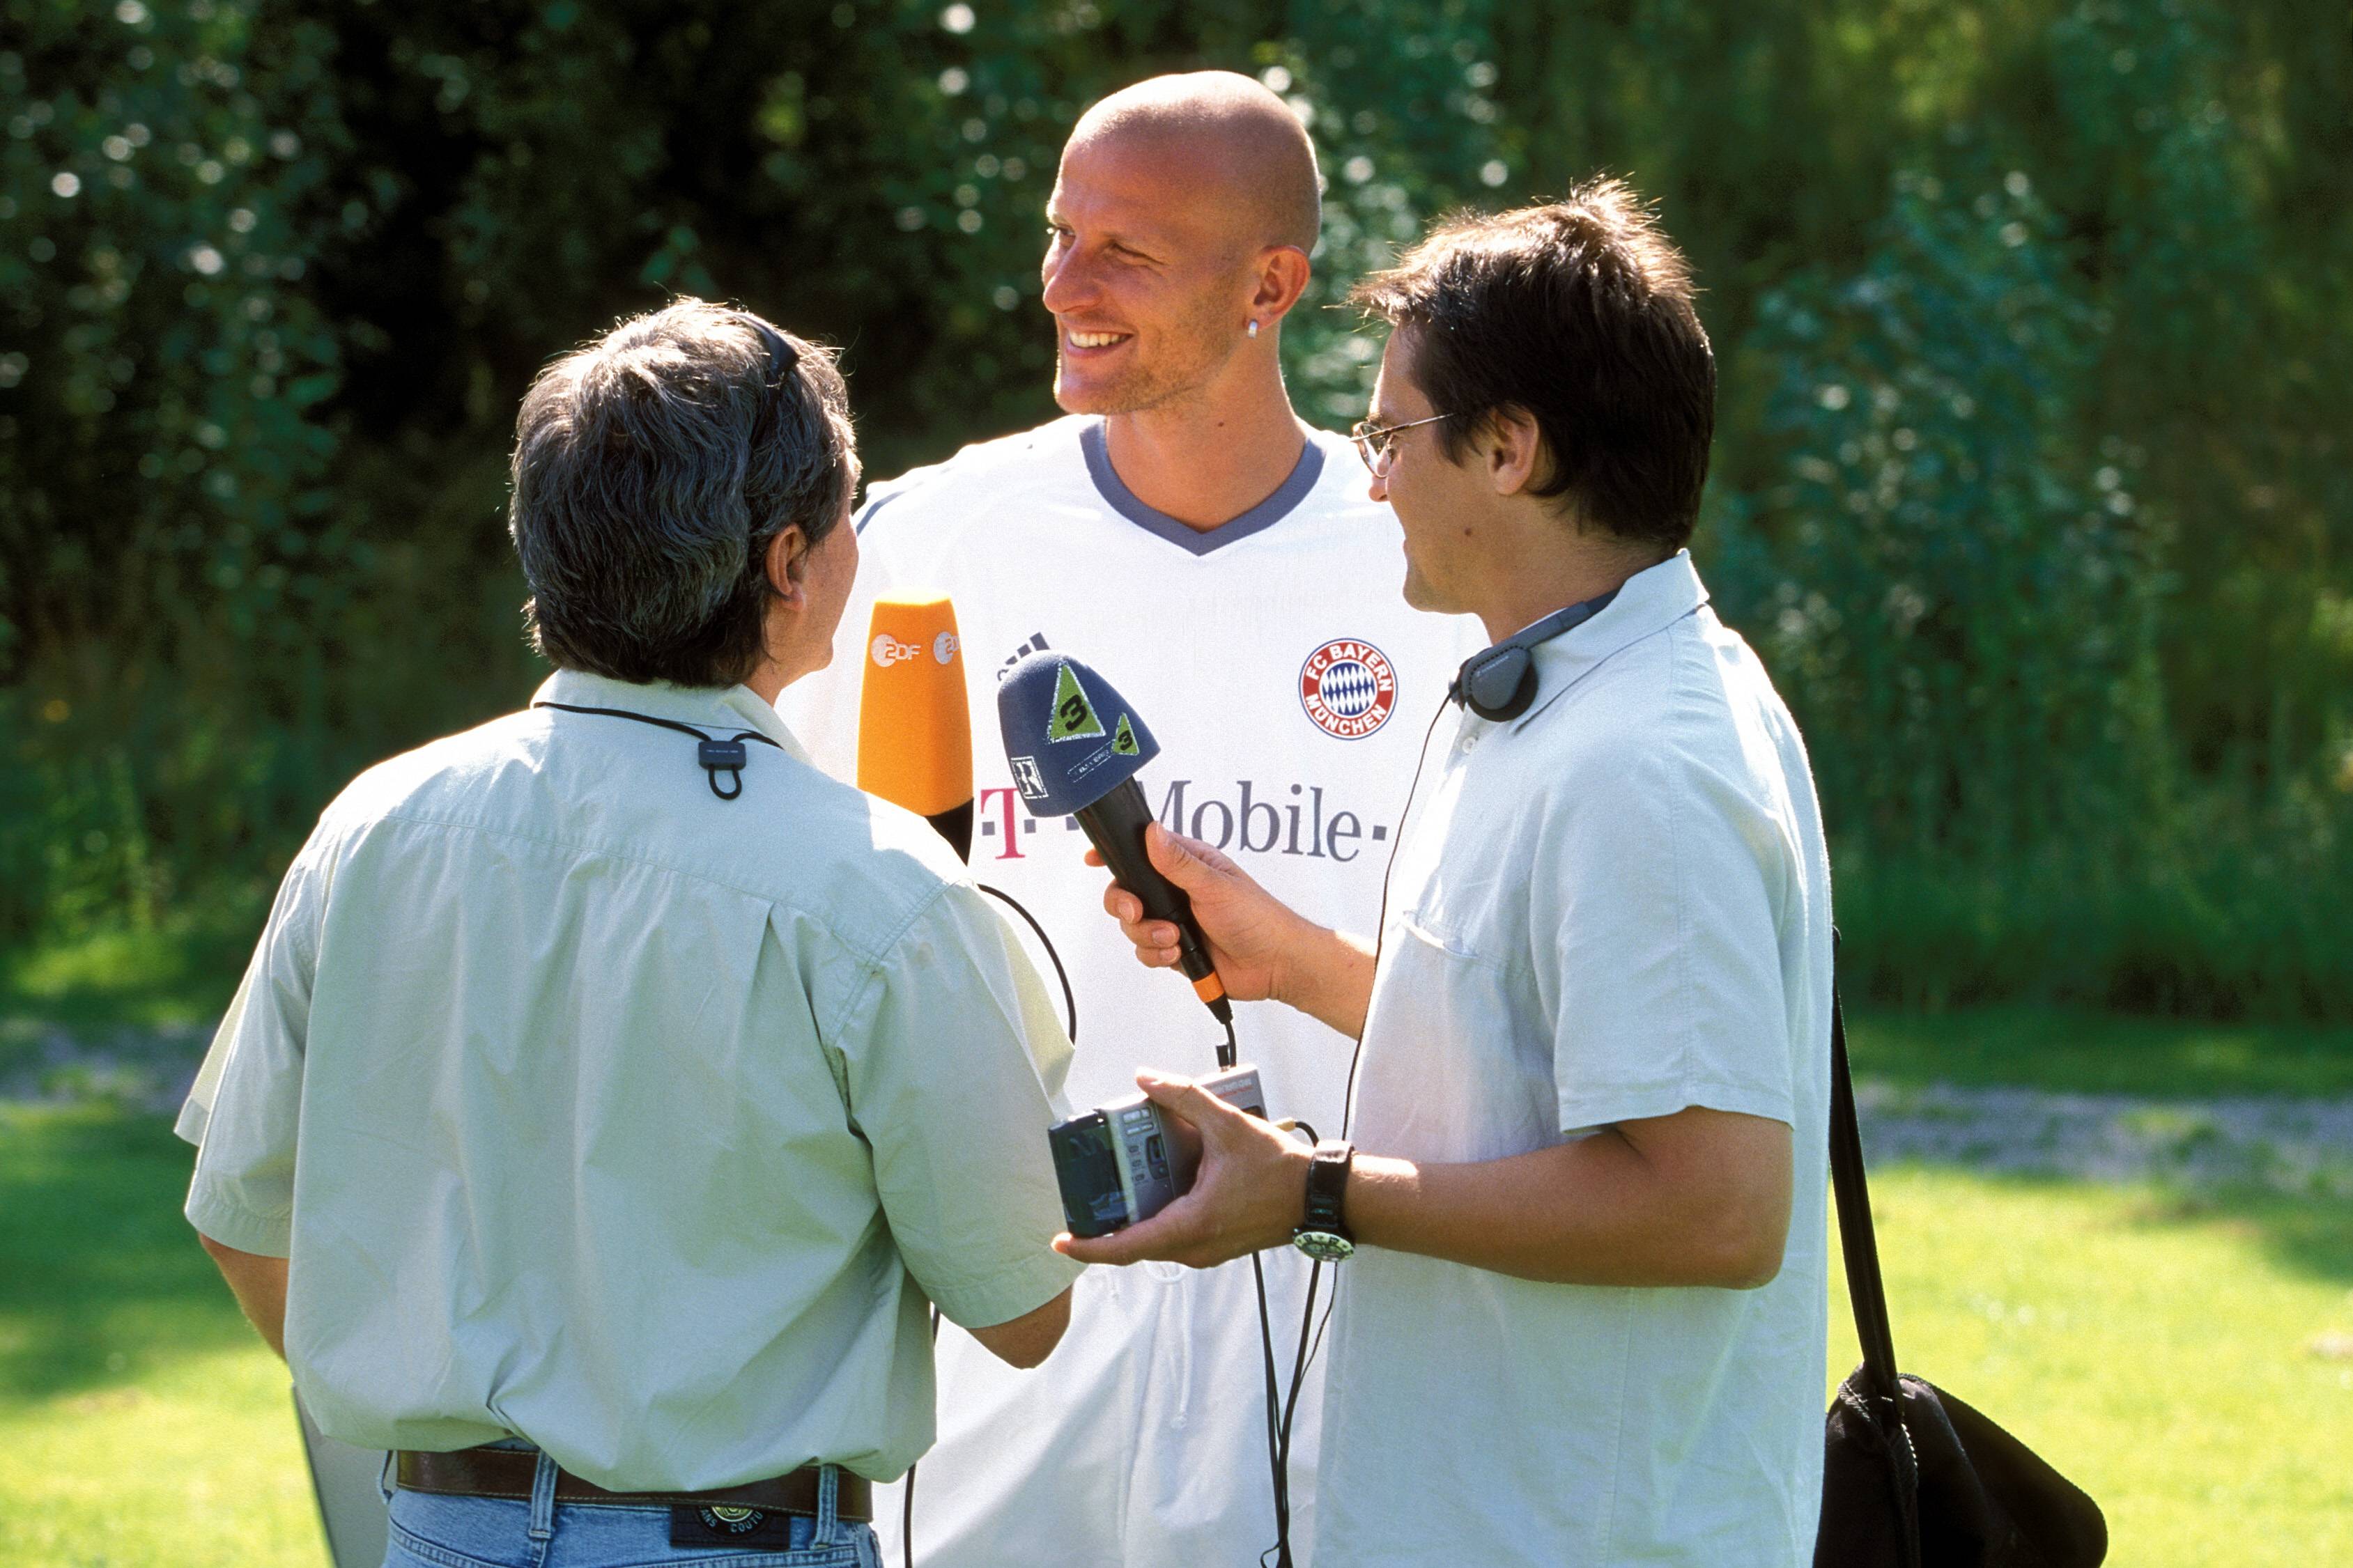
507 1473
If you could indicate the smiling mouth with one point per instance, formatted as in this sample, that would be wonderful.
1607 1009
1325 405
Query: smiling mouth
1095 340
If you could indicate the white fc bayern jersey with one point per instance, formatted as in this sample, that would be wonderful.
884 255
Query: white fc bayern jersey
1289 686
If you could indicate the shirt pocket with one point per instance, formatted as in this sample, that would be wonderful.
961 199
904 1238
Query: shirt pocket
1456 1066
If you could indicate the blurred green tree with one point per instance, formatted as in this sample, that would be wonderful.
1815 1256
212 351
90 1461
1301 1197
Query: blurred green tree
165 536
2074 664
2028 479
274 282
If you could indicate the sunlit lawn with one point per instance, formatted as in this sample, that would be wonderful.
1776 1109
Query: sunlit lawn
2159 1350
141 1424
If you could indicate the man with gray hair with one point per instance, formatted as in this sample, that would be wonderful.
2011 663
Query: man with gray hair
580 1130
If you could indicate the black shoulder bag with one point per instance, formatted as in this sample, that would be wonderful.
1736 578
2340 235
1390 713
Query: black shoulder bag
1912 1477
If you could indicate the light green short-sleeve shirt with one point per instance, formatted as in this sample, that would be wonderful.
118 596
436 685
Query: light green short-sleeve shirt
592 1109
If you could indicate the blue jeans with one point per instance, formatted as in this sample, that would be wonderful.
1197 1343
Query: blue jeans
429 1531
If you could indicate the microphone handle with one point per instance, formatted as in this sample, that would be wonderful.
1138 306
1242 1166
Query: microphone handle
954 825
1115 825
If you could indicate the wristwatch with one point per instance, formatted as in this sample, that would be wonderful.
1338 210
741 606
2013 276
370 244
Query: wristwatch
1323 1234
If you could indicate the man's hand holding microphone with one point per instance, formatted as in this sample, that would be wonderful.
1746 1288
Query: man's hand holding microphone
1250 1191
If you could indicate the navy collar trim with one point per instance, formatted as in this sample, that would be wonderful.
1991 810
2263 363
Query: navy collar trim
1198 542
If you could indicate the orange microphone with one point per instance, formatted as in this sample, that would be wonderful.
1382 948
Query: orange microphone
915 727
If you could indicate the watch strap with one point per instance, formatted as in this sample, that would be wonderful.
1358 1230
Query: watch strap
1327 1188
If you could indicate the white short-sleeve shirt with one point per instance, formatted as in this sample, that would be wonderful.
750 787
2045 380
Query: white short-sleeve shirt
1613 907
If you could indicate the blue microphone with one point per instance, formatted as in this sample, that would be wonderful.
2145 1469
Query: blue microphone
1075 747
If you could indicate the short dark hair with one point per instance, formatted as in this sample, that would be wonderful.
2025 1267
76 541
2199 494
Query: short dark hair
1579 313
652 471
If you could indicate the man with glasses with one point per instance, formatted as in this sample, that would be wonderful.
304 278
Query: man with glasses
1585 1292
1375 442
1220 562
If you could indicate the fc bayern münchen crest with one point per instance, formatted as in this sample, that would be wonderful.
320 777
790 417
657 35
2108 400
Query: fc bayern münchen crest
1348 687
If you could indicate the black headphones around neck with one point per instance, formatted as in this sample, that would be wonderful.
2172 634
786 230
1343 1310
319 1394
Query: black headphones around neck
1500 684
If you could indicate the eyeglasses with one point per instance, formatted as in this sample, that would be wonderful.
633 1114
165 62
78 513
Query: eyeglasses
1376 443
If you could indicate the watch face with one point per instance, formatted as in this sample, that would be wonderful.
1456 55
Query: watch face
1323 1245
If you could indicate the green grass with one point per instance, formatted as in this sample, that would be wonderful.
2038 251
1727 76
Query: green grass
2157 1348
142 1423
2085 1050
2159 1352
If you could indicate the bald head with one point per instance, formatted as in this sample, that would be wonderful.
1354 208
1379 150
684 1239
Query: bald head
1235 139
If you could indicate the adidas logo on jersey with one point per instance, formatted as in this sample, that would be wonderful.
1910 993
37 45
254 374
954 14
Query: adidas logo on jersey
1036 643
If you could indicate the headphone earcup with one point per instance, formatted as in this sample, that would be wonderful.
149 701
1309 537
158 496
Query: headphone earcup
1500 684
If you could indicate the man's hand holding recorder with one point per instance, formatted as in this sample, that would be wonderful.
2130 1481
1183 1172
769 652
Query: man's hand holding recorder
1698 1197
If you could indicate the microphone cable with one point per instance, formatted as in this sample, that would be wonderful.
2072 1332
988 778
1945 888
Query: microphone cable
716 755
1070 1029
1308 1350
1278 1469
1070 997
1381 932
1281 1405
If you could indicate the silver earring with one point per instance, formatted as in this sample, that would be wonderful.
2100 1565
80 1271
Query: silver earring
1253 329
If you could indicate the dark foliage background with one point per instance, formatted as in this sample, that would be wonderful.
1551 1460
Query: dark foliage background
2030 485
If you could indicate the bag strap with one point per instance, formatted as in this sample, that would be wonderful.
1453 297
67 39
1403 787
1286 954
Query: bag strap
1864 1287
1856 1239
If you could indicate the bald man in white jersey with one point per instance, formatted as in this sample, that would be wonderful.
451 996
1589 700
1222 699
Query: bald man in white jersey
1186 534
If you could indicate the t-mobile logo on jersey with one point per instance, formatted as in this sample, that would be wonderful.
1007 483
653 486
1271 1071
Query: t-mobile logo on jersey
1292 819
1258 826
